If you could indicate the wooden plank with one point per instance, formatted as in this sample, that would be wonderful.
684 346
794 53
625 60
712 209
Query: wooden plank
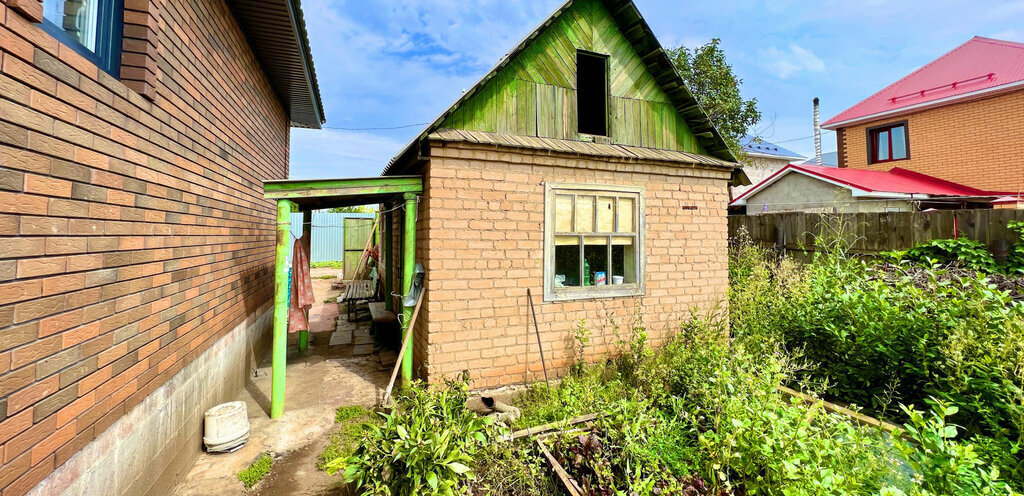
567 481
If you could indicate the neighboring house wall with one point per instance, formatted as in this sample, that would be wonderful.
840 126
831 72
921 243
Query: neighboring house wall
976 143
800 193
134 241
758 169
482 233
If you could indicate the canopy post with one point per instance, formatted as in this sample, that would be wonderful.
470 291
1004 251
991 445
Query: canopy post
408 268
307 241
280 344
388 264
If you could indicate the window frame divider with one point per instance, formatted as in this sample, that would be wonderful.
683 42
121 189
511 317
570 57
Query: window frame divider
639 288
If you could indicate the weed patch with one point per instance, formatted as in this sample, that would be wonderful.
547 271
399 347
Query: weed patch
343 442
256 471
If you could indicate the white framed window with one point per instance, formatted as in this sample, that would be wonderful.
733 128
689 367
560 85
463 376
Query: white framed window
593 241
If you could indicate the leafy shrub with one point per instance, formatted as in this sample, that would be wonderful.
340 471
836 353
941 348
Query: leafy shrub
255 472
944 465
879 334
966 252
425 446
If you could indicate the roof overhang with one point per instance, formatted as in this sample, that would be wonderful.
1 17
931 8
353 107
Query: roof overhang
276 32
316 194
974 95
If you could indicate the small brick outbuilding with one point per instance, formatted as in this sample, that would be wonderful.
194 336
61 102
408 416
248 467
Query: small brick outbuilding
580 168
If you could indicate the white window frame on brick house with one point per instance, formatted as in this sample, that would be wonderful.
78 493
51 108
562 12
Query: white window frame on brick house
553 293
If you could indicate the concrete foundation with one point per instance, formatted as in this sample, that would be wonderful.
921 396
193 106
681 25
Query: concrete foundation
149 449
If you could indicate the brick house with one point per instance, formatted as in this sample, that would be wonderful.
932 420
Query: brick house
136 248
581 168
959 118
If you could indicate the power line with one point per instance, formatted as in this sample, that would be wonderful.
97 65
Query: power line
376 128
804 138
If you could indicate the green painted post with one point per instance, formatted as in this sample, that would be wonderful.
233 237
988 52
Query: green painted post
307 240
280 345
408 265
386 259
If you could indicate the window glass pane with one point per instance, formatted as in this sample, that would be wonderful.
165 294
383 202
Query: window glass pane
883 145
585 214
563 213
605 214
625 215
76 17
899 142
567 261
623 260
595 261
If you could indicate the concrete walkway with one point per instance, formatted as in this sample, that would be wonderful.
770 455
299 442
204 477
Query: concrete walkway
317 383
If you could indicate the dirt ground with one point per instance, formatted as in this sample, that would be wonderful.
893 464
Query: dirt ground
318 382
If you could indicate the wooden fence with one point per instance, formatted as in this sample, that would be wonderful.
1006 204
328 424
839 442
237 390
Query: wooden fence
871 233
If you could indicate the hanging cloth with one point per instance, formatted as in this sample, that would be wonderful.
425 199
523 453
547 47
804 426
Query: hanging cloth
302 289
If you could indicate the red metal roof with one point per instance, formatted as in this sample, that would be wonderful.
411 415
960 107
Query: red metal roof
979 66
896 181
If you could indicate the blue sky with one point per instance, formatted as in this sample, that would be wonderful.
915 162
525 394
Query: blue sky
389 63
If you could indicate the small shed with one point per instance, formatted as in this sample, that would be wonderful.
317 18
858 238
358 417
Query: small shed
820 189
579 170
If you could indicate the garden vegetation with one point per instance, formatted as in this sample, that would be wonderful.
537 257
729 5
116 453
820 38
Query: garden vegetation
937 350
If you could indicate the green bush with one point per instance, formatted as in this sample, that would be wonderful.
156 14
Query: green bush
255 472
969 253
880 334
425 446
327 265
944 465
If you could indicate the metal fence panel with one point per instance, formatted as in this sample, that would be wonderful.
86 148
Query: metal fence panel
328 231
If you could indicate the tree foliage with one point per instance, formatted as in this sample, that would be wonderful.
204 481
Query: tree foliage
359 209
710 78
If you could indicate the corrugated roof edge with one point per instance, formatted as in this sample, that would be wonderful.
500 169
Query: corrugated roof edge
660 58
579 147
299 21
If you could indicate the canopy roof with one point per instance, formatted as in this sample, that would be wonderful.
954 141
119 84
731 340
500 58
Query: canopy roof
332 193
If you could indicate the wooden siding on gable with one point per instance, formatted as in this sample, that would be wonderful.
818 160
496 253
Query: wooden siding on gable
535 93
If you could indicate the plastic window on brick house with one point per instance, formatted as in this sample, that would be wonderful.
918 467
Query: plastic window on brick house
93 28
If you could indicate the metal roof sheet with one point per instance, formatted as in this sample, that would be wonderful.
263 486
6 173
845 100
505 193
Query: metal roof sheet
767 148
895 181
977 67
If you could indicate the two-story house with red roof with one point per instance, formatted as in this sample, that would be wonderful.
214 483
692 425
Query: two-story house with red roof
959 118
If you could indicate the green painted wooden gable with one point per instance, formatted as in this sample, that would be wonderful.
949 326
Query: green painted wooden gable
534 94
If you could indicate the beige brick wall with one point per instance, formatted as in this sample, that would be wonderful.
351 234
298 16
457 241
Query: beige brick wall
979 143
481 232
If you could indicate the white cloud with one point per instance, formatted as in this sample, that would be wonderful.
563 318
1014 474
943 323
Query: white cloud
794 59
1009 35
320 154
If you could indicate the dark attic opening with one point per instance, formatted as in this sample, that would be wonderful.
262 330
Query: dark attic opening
592 93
